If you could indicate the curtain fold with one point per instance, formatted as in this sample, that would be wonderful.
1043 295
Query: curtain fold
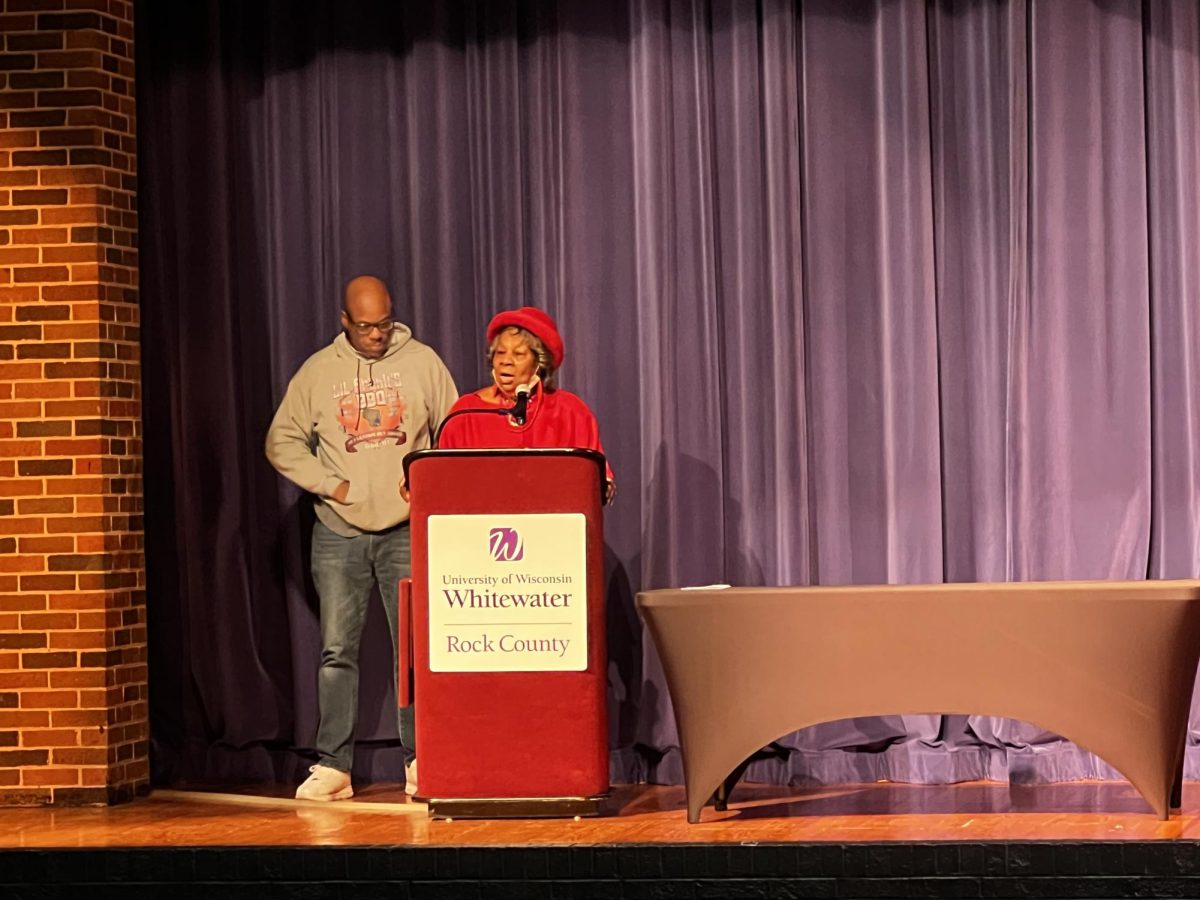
871 292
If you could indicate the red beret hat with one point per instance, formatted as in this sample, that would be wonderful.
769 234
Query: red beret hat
536 322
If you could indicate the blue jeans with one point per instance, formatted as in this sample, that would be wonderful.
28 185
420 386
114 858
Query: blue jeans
344 570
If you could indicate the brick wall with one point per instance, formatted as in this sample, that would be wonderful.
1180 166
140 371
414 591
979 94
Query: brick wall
73 709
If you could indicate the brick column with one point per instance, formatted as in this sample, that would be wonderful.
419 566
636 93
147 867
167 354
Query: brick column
73 709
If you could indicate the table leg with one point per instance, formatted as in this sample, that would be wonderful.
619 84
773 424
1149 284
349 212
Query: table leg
721 797
1176 802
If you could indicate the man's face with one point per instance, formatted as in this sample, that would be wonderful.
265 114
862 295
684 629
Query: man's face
367 321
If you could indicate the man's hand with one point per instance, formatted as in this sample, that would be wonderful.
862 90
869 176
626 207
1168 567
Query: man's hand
340 492
404 491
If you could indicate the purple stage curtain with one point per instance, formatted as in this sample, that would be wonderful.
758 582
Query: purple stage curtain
865 292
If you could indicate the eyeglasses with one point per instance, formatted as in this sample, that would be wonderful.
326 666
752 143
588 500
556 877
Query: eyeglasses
385 326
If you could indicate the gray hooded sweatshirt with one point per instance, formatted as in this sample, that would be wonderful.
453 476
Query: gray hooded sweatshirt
348 417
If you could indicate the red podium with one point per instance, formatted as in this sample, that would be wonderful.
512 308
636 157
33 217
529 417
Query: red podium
508 631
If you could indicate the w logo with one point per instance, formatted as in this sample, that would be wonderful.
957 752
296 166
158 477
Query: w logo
506 545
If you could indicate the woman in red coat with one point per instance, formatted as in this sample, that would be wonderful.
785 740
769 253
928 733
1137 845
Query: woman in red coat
524 351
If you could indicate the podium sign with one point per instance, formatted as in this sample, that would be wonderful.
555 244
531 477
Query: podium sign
508 635
508 593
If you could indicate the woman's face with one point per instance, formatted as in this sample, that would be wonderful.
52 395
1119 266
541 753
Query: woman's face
513 362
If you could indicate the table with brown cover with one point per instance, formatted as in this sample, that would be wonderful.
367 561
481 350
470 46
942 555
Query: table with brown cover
1108 665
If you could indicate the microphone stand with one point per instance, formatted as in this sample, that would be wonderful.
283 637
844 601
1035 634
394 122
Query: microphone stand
502 411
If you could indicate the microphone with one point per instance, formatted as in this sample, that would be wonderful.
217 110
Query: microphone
519 412
521 407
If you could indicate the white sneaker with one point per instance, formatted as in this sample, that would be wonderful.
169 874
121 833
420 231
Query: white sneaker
410 778
325 783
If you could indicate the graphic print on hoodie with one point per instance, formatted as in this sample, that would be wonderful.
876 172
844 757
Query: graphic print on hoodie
371 413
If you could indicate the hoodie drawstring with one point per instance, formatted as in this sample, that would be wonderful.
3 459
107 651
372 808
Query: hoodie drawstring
358 392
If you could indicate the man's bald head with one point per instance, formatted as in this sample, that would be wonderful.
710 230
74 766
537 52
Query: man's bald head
365 296
367 302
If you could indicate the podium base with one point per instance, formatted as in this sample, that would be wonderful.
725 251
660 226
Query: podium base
513 807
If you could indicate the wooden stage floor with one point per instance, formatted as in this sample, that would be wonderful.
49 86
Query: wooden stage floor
265 816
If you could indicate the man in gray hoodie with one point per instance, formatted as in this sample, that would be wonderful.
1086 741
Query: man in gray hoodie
351 414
